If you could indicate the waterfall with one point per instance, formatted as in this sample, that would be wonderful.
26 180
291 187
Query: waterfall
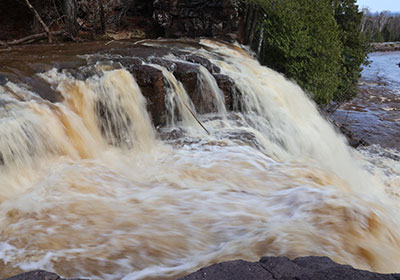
91 188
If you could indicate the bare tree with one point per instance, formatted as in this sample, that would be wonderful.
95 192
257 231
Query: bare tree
45 27
382 19
71 12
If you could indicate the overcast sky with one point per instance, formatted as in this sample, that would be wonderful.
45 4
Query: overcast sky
380 5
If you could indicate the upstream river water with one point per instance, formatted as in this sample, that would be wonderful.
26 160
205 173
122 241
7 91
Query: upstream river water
375 114
96 191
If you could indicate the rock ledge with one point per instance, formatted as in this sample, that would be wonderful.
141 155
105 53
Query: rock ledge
268 268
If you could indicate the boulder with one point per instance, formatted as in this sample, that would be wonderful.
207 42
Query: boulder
3 80
152 84
230 90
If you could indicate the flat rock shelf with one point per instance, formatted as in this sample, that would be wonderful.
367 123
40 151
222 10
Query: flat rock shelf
268 268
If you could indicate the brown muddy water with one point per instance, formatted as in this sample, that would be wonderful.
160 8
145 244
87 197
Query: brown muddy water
85 193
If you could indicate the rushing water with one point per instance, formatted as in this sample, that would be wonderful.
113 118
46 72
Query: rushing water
100 195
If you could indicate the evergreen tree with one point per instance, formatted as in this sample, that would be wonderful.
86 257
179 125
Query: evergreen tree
318 43
302 41
355 48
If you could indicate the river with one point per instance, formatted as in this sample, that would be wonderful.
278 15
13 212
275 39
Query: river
91 188
375 114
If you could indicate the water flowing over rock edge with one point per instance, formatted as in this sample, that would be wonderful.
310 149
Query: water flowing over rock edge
163 68
267 268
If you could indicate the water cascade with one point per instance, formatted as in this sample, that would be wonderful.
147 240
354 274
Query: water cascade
91 188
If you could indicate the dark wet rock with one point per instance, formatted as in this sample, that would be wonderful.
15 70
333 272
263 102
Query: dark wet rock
212 68
268 268
3 80
171 135
152 84
200 93
39 275
143 53
351 138
166 63
342 128
282 268
188 73
43 89
186 70
36 275
231 91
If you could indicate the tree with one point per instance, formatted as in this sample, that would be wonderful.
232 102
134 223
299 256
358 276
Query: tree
302 40
71 13
354 48
381 27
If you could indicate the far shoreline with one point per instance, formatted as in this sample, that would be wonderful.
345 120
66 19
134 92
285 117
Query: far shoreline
385 47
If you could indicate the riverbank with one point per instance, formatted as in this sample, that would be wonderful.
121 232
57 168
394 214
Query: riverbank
385 47
374 115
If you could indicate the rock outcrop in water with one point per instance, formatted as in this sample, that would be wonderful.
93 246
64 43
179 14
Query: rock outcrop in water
186 68
268 268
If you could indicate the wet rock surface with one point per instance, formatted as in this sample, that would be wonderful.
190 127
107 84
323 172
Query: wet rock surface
152 84
39 275
186 71
273 268
372 117
3 80
22 66
268 268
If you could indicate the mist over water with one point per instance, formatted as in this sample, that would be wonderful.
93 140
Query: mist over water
90 189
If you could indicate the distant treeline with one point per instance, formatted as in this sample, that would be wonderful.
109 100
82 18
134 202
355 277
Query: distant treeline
381 27
318 43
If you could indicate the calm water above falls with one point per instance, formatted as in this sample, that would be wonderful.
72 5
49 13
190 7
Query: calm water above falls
384 68
102 196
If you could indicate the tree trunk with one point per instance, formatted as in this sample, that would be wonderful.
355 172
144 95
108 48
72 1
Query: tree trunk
261 41
100 10
253 25
40 20
70 7
243 23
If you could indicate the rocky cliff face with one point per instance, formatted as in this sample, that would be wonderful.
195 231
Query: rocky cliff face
159 18
195 18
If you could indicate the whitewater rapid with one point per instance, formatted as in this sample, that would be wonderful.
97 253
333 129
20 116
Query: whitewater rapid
89 188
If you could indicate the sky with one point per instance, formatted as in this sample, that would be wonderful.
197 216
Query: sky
380 5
